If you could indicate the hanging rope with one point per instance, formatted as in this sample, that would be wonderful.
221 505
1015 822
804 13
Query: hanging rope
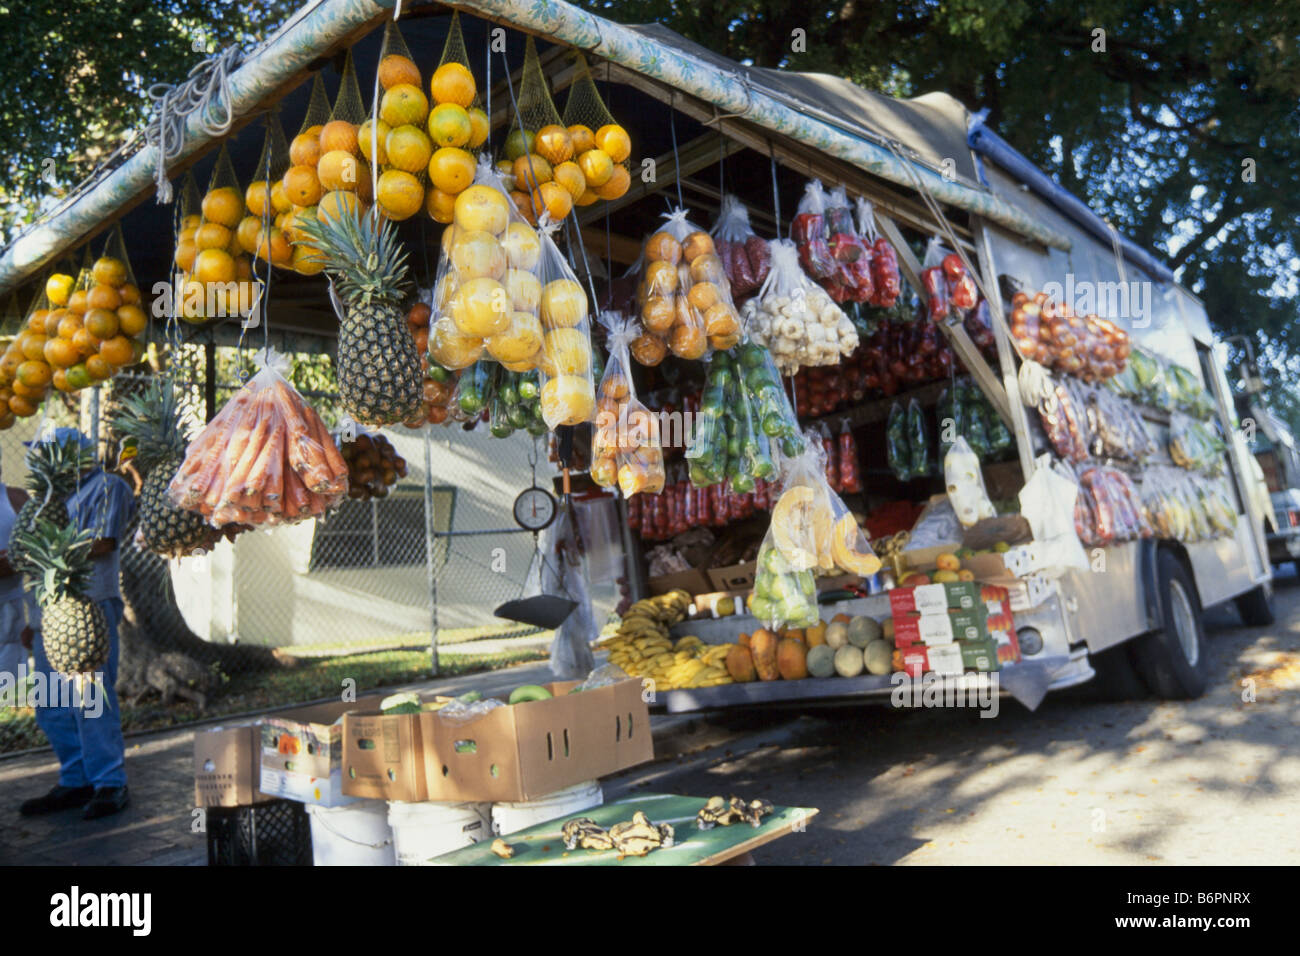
776 191
677 160
206 93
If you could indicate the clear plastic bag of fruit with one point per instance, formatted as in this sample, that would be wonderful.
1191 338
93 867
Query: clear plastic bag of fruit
625 444
745 256
770 404
898 449
852 281
886 282
808 231
568 389
1193 446
964 482
706 452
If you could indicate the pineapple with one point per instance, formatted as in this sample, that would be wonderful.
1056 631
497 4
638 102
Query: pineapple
380 378
153 419
73 627
53 470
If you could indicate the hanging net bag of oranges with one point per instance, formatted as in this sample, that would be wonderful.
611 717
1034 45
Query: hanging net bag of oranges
458 126
266 203
602 148
300 184
394 140
216 272
345 178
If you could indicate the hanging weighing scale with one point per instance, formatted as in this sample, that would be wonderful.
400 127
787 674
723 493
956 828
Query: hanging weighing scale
535 509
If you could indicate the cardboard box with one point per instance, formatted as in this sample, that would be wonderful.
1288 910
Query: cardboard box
735 577
511 753
302 752
979 655
934 598
227 762
930 629
692 582
944 659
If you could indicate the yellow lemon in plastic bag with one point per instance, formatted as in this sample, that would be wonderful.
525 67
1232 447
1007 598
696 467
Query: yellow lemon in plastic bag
449 348
481 307
568 400
522 246
569 350
477 255
519 342
564 304
525 290
482 208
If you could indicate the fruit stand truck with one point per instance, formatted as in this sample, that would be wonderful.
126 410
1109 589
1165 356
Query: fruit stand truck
1129 616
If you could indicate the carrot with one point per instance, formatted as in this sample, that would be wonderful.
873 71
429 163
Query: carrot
297 498
253 447
272 448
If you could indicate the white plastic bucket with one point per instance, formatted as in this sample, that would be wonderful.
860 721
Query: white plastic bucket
513 817
422 831
356 834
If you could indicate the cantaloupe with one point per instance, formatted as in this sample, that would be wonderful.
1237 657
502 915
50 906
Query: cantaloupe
791 659
878 657
821 660
848 661
863 630
837 634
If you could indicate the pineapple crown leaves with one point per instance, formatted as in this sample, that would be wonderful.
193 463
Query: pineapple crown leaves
60 559
363 257
152 417
54 467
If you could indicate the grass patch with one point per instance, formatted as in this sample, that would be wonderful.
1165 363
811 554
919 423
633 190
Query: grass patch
276 688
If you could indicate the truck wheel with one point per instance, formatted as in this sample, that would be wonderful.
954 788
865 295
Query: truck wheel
1172 660
1255 607
1116 678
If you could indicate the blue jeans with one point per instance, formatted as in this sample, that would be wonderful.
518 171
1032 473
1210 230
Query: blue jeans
90 749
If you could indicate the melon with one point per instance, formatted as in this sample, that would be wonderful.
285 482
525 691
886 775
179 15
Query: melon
878 657
821 661
848 661
864 630
791 659
837 634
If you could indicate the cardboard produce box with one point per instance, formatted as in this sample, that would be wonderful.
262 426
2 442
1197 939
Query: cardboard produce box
735 577
302 752
511 753
692 582
227 762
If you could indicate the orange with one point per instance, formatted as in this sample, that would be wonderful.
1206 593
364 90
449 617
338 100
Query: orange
132 319
531 171
130 294
400 194
522 246
564 304
258 198
36 321
365 184
28 391
58 287
304 150
246 234
98 368
69 326
190 223
450 125
451 170
524 203
396 69
77 376
596 166
554 143
301 185
616 185
77 302
408 149
403 105
117 350
334 203
103 297
338 170
480 308
477 255
570 177
214 265
35 374
213 235
478 123
108 270
280 200
9 363
453 83
440 205
338 135
370 135
587 198
568 400
614 141
306 262
186 250
555 199
101 323
223 206
482 208
583 138
60 380
22 407
243 267
273 245
32 346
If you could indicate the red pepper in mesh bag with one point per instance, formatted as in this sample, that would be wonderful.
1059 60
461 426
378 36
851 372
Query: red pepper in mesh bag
963 293
850 480
936 293
886 281
760 258
808 230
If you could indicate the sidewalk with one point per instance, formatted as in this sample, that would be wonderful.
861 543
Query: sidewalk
156 827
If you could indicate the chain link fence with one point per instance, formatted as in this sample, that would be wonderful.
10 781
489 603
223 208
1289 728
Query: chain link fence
287 614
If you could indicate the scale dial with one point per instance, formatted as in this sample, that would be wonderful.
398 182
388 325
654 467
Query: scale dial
534 509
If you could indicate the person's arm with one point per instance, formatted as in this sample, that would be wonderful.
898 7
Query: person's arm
17 498
103 546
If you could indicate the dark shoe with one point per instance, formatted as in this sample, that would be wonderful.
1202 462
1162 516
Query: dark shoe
60 798
106 802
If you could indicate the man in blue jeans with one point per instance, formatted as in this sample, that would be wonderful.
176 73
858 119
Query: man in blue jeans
88 742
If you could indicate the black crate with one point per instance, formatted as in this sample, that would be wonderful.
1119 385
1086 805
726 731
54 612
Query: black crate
274 833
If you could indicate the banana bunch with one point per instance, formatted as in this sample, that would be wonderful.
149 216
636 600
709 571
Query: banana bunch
647 652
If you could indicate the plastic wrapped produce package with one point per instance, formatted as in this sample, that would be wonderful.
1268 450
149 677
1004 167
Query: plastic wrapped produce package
568 390
625 444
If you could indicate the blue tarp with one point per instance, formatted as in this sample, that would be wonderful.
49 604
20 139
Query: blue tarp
987 143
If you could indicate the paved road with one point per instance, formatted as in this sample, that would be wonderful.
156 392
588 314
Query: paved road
1210 781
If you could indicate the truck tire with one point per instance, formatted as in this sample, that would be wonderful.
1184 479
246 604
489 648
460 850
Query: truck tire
1117 679
1255 607
1173 661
